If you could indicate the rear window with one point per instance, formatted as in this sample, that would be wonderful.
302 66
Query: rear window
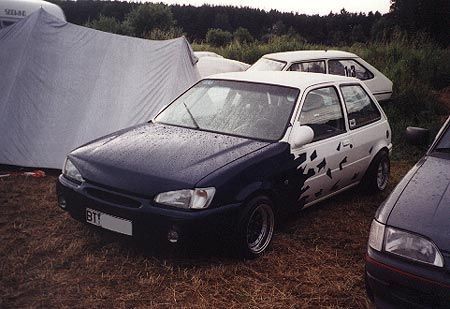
361 109
312 66
348 67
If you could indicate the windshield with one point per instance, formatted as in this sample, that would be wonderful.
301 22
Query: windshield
265 64
444 143
253 110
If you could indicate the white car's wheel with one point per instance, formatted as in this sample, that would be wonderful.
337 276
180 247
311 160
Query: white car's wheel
377 176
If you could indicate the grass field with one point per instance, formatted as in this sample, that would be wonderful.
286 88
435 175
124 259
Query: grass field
50 260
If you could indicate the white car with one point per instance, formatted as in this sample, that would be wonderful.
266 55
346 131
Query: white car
329 62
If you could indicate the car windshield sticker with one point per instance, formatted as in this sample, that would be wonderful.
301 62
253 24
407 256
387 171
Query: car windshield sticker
342 163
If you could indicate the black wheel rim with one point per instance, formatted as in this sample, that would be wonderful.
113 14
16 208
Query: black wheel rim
260 228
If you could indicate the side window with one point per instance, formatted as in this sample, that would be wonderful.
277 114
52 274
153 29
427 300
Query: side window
322 111
360 108
348 67
313 66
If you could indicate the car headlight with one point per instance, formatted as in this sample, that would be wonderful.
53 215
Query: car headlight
189 199
70 171
405 244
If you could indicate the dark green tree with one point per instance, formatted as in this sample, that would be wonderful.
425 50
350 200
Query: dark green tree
108 24
242 35
429 16
218 37
149 16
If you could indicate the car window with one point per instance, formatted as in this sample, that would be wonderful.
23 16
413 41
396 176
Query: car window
265 64
361 109
348 67
322 111
312 66
253 110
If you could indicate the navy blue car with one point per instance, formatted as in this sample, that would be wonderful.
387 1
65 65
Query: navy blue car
227 155
408 256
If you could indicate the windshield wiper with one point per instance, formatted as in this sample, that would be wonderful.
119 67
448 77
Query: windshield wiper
192 117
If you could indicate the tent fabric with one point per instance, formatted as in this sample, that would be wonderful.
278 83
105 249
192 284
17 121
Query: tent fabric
207 65
62 85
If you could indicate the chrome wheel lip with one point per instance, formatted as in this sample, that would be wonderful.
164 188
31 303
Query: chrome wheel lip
382 174
266 228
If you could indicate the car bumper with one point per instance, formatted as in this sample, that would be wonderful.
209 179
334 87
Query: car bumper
148 220
393 283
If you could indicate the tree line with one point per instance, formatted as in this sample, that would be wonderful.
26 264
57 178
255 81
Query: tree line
221 24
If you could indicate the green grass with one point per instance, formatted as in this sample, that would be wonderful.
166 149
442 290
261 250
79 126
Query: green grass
418 68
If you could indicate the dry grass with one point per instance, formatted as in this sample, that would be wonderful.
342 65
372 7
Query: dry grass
50 260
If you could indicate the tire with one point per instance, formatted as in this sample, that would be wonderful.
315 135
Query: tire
255 227
377 175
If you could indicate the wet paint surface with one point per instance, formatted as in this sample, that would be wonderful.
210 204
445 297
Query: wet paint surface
153 158
424 205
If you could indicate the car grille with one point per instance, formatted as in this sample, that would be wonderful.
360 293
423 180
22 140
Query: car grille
113 198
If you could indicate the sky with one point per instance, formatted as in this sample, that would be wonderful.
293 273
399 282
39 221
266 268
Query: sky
321 7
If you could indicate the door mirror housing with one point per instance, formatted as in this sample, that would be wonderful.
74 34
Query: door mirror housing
417 136
301 135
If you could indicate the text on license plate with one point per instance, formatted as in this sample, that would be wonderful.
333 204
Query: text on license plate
109 222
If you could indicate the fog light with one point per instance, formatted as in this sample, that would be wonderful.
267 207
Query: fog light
172 236
62 202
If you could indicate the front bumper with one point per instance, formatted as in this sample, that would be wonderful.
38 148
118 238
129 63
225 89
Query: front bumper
148 220
392 282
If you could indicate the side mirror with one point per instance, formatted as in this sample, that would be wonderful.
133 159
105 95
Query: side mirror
417 136
301 135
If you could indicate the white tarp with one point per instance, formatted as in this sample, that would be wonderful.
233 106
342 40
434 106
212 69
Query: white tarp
62 85
207 65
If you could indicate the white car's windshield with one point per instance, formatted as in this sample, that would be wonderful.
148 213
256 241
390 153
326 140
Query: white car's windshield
265 64
253 110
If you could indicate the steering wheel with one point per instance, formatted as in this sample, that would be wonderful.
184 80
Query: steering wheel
265 123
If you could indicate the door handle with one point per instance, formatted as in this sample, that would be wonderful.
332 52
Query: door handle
347 143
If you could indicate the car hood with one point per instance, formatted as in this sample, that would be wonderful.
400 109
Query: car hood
424 205
152 158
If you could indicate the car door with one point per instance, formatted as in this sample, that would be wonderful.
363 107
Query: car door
325 159
366 130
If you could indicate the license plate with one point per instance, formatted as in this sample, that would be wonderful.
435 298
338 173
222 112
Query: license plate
109 222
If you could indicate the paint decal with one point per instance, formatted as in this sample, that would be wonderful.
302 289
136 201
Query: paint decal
317 194
321 165
329 173
342 163
313 155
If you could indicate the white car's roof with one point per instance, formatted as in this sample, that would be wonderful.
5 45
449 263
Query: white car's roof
300 55
290 79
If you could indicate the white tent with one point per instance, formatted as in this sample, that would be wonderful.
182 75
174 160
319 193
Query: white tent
62 85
